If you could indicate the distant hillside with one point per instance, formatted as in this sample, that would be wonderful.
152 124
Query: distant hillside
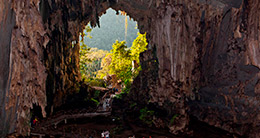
112 27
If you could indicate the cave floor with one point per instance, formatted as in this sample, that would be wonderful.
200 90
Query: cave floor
89 123
93 127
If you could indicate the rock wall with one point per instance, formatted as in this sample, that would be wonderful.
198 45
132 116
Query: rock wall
23 75
202 58
207 63
228 91
7 21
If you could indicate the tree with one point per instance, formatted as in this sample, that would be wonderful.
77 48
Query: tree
119 60
139 45
84 60
95 57
106 61
84 52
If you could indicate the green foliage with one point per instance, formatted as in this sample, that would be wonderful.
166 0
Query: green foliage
146 116
133 105
95 63
95 82
92 62
90 58
120 95
119 60
125 91
173 118
95 101
83 52
138 46
96 94
121 63
105 66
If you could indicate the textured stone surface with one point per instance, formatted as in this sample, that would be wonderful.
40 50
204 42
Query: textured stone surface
202 59
227 96
23 56
7 21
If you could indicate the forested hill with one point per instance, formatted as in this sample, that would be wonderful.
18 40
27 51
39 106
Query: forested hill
112 27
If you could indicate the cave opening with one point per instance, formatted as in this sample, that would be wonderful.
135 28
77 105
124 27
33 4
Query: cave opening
68 94
109 54
66 86
104 75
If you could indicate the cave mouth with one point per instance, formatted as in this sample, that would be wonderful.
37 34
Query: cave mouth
71 97
65 82
109 54
108 59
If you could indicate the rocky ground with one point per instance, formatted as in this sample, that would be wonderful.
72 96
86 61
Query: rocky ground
122 123
87 127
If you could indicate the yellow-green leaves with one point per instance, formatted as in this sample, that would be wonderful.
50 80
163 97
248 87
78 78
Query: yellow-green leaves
119 60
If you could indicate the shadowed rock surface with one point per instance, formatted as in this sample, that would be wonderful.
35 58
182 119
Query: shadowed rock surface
7 21
202 59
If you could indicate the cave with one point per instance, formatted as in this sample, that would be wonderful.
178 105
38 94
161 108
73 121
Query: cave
202 60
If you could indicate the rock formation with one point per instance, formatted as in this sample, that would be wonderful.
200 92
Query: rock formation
7 22
202 58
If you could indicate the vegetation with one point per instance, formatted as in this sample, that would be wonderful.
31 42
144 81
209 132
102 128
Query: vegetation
118 129
96 63
96 94
95 101
91 62
119 60
124 92
173 118
133 105
146 116
84 52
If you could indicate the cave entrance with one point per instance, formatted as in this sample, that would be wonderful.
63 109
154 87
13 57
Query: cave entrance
108 62
76 93
109 55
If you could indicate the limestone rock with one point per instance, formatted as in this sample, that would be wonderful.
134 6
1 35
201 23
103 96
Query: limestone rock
202 58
